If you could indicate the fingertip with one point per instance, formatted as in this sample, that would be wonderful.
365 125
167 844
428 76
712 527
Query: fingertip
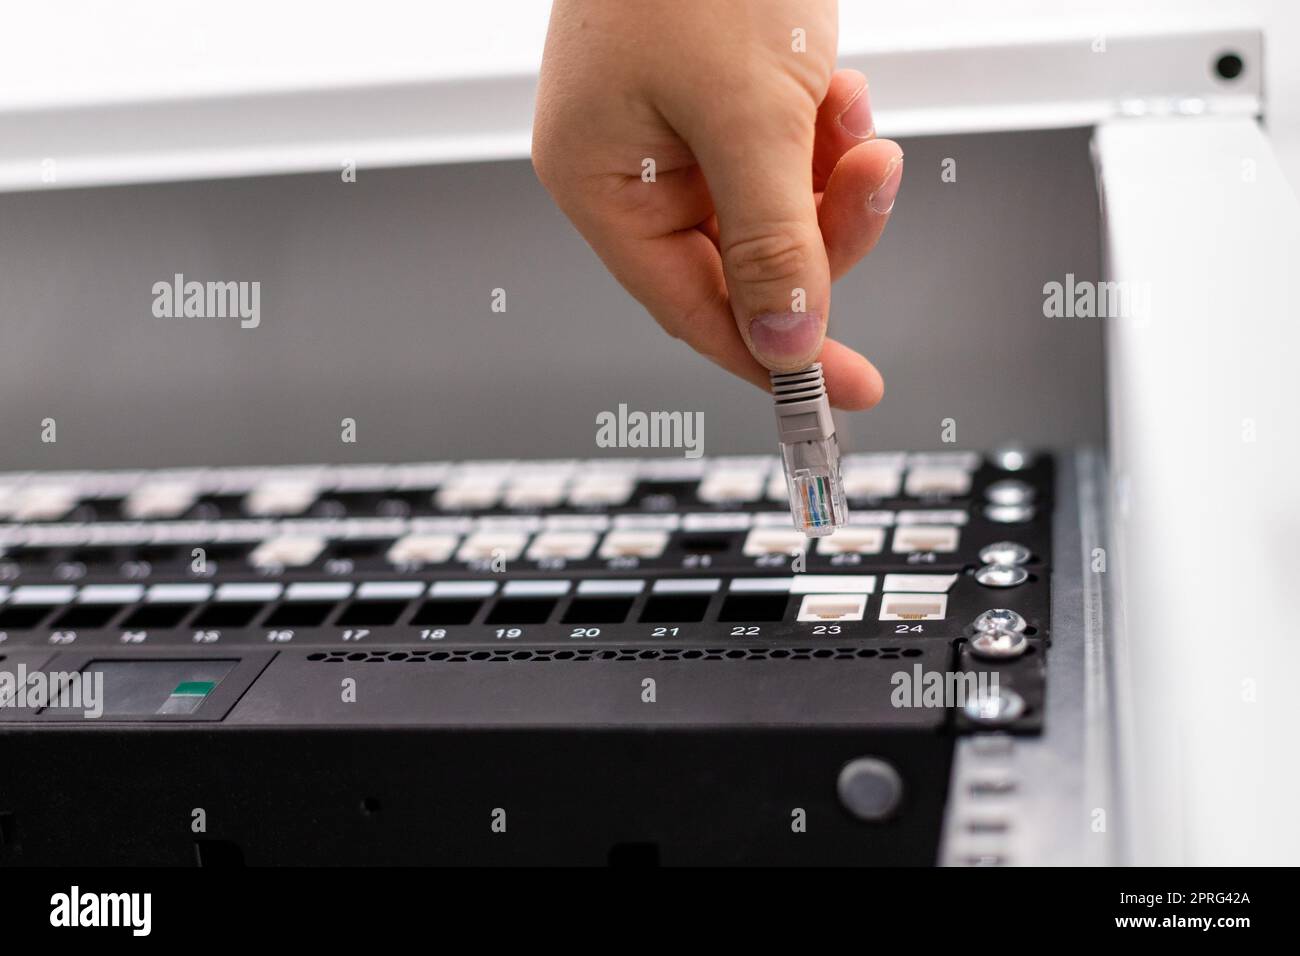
852 382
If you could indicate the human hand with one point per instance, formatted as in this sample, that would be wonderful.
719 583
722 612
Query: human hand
723 175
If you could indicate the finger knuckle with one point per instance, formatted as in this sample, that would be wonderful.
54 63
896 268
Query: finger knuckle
769 254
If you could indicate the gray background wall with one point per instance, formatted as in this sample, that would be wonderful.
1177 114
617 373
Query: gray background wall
376 306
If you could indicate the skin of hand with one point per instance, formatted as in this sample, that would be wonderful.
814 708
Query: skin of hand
723 170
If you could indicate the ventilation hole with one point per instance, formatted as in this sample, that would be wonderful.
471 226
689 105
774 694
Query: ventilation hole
371 613
83 616
521 611
912 652
754 607
23 616
148 616
304 614
604 610
445 613
675 609
225 615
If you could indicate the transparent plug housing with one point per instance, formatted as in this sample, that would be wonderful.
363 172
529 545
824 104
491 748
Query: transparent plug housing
810 454
812 477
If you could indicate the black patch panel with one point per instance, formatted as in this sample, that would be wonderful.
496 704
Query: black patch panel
690 695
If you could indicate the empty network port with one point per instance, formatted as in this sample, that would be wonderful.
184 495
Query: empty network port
521 611
157 554
148 616
34 556
359 549
228 614
928 538
86 616
299 614
914 607
598 610
371 614
445 613
675 608
705 543
754 607
23 616
819 608
224 552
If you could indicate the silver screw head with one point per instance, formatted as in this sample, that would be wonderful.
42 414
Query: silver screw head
999 645
1001 575
1009 514
995 708
1005 552
999 618
1010 491
1012 459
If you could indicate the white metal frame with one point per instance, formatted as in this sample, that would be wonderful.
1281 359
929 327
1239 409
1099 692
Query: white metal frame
1076 81
1205 488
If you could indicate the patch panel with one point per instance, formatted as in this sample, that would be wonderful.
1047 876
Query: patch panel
537 599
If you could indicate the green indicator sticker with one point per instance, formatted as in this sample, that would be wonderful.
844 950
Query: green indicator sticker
194 688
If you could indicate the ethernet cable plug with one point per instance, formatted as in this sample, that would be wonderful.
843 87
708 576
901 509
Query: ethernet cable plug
809 452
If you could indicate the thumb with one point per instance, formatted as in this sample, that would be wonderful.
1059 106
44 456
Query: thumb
759 173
